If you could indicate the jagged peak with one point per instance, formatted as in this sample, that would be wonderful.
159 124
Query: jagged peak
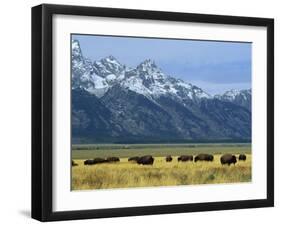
146 78
110 57
237 92
147 63
110 60
75 44
233 93
76 50
149 68
247 91
75 41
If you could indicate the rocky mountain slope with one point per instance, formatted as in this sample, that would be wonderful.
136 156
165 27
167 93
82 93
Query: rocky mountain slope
115 103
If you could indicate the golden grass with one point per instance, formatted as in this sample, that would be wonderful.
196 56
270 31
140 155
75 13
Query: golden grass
126 174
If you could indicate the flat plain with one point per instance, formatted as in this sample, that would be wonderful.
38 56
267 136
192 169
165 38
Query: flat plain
126 174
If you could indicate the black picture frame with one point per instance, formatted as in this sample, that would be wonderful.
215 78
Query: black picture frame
42 107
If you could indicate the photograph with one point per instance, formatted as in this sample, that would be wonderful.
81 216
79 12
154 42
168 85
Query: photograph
149 111
146 112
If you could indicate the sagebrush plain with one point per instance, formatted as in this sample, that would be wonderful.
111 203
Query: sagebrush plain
126 174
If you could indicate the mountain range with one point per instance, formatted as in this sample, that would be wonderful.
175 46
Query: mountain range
112 102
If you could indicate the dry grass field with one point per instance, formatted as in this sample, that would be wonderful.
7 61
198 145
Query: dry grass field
126 174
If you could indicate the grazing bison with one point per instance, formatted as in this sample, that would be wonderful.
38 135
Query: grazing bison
204 157
242 157
94 161
169 158
89 162
146 160
113 159
74 163
99 160
228 159
185 158
133 159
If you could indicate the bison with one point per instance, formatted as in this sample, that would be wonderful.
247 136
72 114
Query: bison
169 158
89 162
133 159
204 157
113 159
99 160
146 160
95 161
242 157
228 159
185 158
74 163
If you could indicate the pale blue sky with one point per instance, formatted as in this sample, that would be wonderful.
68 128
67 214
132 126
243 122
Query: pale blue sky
213 66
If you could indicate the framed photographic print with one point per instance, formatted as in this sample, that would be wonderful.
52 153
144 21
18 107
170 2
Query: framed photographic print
145 112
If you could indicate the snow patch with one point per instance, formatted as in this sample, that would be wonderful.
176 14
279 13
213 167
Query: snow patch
99 82
146 79
110 77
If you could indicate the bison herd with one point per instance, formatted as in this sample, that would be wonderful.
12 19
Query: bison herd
101 160
227 159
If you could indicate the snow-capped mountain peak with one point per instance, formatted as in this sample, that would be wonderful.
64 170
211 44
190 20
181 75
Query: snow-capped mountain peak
231 94
148 68
145 103
111 60
240 97
99 76
76 51
108 66
76 47
147 64
234 93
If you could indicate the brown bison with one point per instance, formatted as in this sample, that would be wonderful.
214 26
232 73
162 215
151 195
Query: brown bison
185 158
242 157
113 159
99 160
94 161
228 159
169 158
146 160
133 159
89 162
204 157
74 163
